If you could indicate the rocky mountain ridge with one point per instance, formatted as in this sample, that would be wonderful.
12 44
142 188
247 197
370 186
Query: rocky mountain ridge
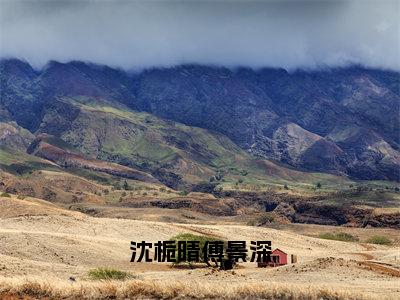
340 121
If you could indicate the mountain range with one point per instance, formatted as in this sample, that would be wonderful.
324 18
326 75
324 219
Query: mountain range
191 123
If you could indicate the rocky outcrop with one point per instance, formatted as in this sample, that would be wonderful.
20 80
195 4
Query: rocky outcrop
286 116
316 209
215 207
15 137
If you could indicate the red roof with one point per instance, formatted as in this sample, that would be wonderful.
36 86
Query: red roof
279 251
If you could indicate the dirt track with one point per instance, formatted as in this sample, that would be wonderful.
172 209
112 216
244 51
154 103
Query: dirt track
377 266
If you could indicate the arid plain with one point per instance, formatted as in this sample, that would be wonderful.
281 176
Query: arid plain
48 250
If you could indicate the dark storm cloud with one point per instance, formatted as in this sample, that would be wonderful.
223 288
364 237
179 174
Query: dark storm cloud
136 34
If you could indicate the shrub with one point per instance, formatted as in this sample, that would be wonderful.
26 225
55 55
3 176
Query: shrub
380 240
338 236
49 194
319 185
218 189
5 195
162 189
219 175
244 173
252 222
108 274
263 218
116 186
202 239
144 194
183 193
286 187
21 197
126 186
266 218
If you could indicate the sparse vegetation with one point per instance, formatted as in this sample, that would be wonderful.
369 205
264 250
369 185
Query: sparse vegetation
49 194
244 172
149 289
183 193
5 195
338 236
218 189
202 239
116 186
219 175
380 240
126 186
263 218
108 274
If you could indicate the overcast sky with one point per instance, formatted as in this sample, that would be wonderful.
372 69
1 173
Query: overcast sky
137 34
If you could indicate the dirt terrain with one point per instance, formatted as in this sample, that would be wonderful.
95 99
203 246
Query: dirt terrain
40 240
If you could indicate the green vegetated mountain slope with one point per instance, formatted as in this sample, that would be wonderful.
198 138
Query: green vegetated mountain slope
177 155
174 153
192 124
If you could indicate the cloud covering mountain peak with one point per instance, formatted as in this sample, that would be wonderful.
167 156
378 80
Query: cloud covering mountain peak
139 34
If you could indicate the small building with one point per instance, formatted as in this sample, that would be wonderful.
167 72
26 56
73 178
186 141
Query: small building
277 258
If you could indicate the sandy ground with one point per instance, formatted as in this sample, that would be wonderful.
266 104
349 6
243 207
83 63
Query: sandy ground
48 241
